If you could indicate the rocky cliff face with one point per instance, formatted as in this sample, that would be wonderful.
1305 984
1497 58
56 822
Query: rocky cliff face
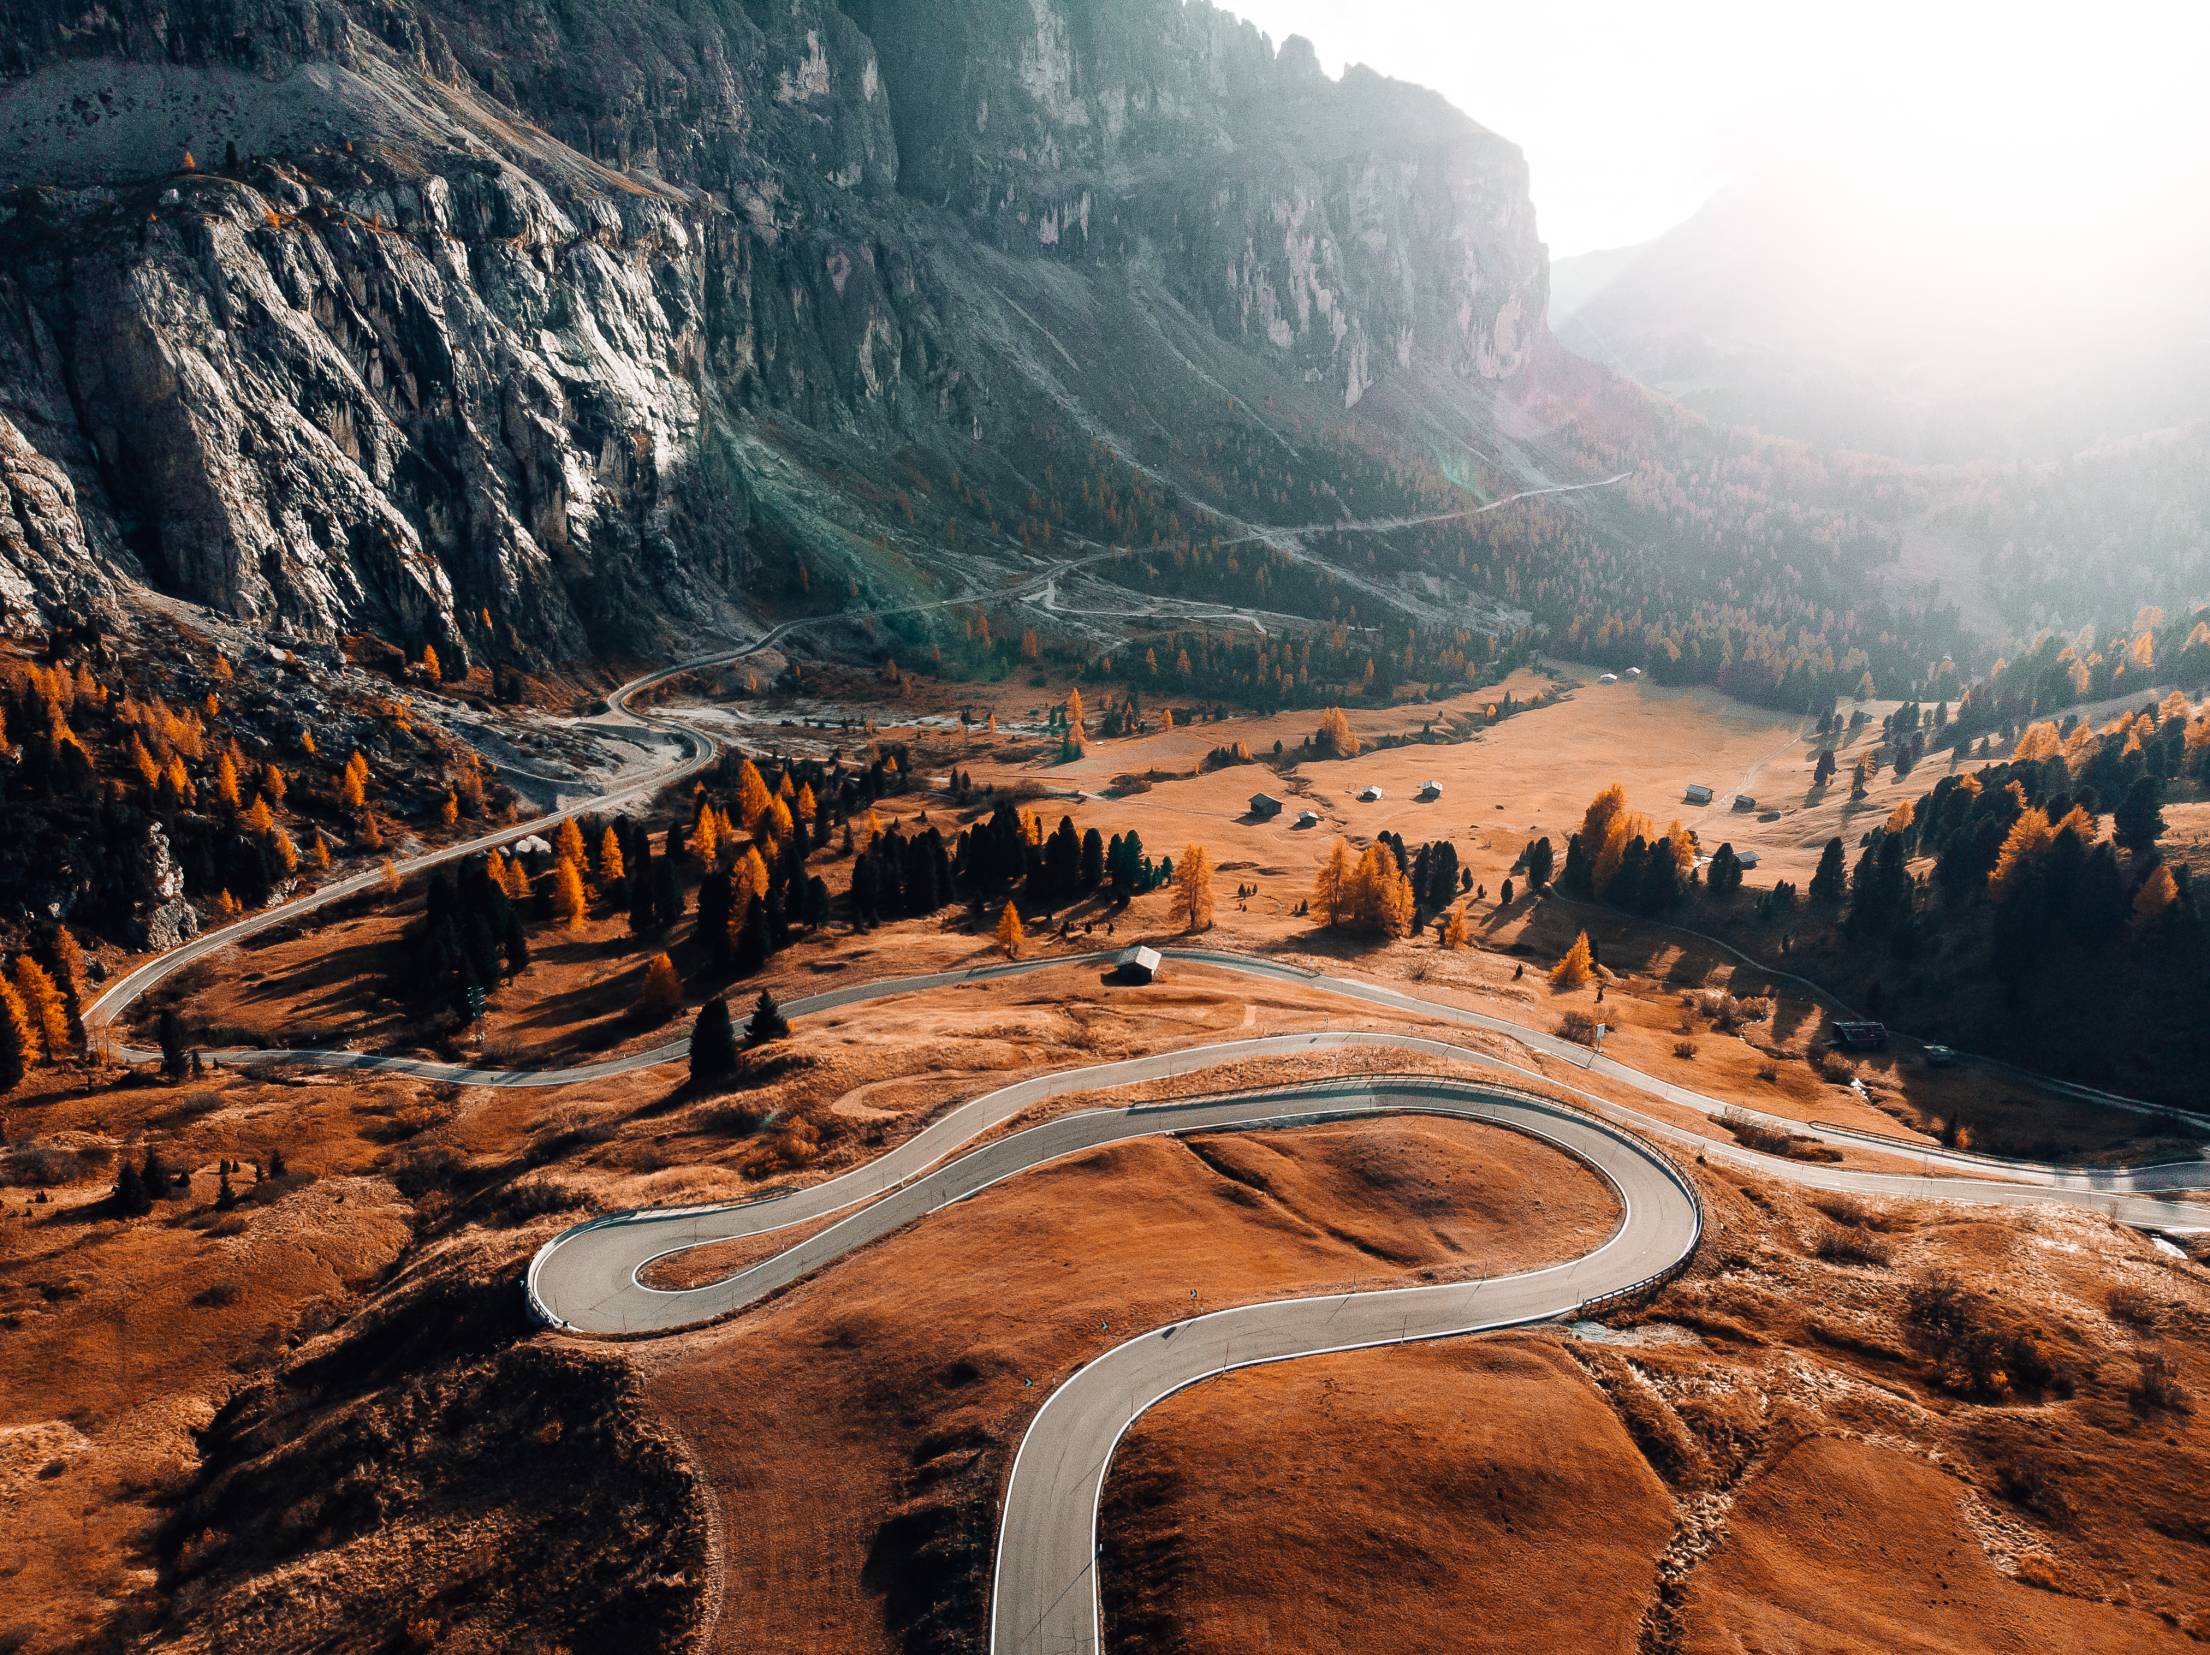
520 328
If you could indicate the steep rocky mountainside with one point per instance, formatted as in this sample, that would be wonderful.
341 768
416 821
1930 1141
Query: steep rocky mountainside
525 329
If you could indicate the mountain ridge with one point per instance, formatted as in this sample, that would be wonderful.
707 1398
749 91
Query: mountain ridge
491 329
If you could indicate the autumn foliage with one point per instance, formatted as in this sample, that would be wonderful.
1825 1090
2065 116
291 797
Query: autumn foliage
1578 967
1193 899
1372 894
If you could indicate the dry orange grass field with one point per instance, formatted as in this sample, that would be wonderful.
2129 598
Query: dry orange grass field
1771 1461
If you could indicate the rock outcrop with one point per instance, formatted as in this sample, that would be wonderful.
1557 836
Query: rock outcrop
524 330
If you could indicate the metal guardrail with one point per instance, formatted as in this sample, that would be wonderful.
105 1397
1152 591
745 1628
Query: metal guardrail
1889 1140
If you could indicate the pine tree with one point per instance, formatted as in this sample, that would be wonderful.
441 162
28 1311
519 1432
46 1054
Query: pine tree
1724 877
1578 966
713 1045
2138 822
169 1032
1009 934
225 1196
1827 882
1541 861
277 1168
1193 898
767 1022
129 1197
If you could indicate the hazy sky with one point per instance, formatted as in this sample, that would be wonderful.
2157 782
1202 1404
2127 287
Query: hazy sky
2071 135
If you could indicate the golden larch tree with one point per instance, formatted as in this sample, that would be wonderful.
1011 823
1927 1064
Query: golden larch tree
1193 900
1331 887
68 960
1578 968
2024 846
2157 893
568 895
611 867
43 1002
1335 735
1075 741
750 874
752 796
568 841
18 1040
661 997
706 837
1009 934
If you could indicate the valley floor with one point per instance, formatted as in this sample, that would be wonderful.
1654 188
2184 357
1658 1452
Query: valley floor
1780 1450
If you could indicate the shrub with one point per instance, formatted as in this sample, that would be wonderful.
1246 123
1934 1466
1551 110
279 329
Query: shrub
1839 1246
528 1198
1851 1210
2156 1388
1684 1048
1974 1353
1770 1139
1578 1026
2131 1305
37 1165
2030 1484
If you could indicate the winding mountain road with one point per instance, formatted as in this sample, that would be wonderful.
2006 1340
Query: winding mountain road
586 1280
1045 1592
